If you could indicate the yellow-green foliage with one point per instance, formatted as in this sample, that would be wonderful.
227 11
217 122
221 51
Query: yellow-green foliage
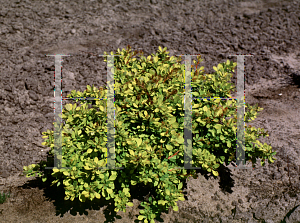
149 100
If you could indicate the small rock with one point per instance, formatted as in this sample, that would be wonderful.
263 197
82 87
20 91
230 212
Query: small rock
70 11
73 31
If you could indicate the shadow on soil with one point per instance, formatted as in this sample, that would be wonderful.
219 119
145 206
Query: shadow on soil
141 193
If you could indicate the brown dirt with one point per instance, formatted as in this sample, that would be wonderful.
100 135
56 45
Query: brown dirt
269 30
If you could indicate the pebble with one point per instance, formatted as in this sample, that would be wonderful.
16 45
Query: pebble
73 31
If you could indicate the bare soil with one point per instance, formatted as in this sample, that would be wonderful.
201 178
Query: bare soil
267 29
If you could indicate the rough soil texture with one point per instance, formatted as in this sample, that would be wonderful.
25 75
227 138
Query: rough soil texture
269 30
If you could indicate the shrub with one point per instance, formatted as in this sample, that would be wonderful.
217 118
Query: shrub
149 137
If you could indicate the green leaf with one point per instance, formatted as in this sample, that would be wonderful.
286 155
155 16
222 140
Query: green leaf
196 105
167 192
141 217
85 193
175 208
180 140
220 66
89 88
131 152
133 182
97 195
87 168
218 126
162 202
228 144
180 185
90 142
66 173
55 170
82 198
68 107
215 173
130 204
181 198
216 166
112 177
169 147
139 141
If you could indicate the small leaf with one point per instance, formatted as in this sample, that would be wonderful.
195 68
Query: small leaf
97 195
173 120
131 152
66 173
228 144
181 199
220 66
175 208
87 168
112 177
215 173
55 170
180 185
140 217
167 192
133 182
180 140
139 141
169 147
161 202
130 204
196 105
